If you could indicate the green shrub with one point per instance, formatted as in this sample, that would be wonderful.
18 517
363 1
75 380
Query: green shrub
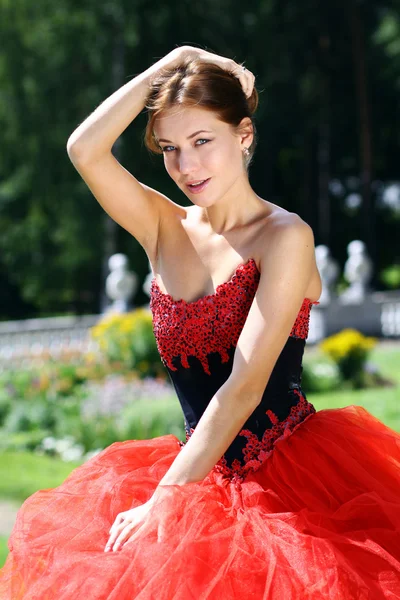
320 377
390 276
28 416
94 415
22 440
127 339
144 419
5 404
349 349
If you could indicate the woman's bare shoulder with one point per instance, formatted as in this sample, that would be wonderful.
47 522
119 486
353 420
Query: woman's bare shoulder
280 220
285 229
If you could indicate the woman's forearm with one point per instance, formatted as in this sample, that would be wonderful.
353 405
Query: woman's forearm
220 423
98 133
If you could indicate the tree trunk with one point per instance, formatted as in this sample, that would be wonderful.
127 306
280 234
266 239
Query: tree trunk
110 226
360 75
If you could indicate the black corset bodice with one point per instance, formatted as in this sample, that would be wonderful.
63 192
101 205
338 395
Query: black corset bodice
197 340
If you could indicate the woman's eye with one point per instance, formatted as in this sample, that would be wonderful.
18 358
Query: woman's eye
166 148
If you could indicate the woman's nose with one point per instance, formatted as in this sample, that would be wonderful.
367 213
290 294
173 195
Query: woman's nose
187 162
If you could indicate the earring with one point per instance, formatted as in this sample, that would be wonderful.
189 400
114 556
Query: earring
246 151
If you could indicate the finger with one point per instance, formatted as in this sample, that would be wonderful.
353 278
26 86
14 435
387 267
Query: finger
250 78
241 75
141 528
115 531
114 535
133 536
118 520
125 533
250 82
112 539
244 77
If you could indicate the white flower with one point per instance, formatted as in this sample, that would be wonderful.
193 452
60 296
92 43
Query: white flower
73 453
48 443
64 444
325 370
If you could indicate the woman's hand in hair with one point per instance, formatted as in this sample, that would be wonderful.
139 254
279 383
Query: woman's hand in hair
246 77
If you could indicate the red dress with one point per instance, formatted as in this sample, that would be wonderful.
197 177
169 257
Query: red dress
303 505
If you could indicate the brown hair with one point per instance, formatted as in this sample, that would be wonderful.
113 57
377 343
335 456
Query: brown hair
204 85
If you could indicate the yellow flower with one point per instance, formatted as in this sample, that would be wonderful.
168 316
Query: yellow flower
126 326
44 382
63 385
118 335
345 342
90 357
81 372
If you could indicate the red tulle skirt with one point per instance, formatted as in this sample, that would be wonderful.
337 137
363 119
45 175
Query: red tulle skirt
319 520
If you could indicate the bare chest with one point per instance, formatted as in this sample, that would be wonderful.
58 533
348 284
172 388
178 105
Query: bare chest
191 263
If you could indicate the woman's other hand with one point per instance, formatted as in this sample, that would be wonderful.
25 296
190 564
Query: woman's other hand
126 525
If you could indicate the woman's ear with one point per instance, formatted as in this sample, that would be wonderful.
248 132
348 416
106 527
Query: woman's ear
246 132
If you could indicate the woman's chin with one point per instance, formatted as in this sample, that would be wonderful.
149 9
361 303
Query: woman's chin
203 201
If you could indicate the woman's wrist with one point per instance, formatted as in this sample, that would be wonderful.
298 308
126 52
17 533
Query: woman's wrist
161 491
170 60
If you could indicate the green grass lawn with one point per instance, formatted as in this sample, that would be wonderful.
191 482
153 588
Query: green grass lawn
3 550
388 361
23 473
383 403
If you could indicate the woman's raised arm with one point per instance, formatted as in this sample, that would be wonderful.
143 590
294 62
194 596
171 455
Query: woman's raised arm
137 207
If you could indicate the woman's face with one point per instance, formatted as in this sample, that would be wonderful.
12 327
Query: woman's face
213 153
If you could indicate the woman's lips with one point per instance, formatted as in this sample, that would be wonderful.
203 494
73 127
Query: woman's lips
199 188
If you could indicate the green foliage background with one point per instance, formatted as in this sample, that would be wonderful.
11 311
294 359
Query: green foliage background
328 74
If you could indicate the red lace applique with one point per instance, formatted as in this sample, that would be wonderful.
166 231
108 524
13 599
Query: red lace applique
212 323
302 323
188 435
257 451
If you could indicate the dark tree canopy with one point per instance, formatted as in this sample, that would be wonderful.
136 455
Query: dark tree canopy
328 125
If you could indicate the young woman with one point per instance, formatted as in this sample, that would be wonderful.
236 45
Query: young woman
268 498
